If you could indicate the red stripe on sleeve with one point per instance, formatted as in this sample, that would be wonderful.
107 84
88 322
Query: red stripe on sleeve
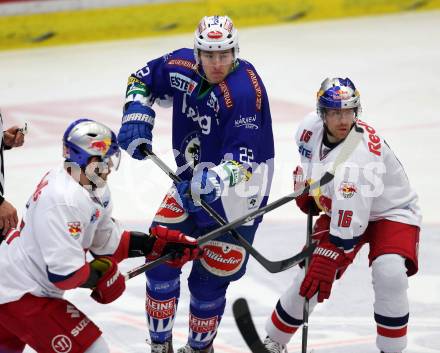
76 279
121 252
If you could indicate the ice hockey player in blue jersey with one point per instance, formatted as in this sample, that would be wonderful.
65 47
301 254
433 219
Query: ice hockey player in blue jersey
224 150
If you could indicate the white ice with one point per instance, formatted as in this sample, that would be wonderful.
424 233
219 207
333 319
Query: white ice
394 61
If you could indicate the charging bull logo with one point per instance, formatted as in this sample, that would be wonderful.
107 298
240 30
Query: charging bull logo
347 189
340 94
101 145
222 259
74 229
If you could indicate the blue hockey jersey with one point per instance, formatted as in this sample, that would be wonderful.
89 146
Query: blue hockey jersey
213 123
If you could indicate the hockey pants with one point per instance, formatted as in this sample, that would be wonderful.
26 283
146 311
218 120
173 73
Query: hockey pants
391 309
223 261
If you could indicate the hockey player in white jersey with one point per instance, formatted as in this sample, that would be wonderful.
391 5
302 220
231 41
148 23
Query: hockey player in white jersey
68 216
369 201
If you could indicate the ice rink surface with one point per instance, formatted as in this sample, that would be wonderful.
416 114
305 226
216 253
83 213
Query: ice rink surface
393 60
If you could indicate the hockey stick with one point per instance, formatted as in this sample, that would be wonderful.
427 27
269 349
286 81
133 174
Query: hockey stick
271 266
292 261
305 328
350 143
245 324
243 317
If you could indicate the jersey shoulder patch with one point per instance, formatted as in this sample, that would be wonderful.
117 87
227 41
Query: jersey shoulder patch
183 58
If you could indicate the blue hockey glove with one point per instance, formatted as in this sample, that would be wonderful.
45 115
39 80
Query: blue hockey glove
205 185
135 132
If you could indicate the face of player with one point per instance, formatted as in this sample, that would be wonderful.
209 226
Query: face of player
339 122
216 64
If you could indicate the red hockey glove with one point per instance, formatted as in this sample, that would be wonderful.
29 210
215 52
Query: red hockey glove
111 284
167 240
326 260
321 231
305 201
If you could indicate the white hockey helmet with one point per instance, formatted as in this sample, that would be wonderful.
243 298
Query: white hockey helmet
215 33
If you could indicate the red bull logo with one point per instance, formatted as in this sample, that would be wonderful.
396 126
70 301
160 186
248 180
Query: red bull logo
101 145
74 229
347 189
340 94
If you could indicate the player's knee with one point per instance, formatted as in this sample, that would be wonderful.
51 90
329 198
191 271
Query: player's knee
389 273
164 287
99 346
207 287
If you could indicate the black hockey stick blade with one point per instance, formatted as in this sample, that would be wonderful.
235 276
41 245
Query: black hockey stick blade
245 324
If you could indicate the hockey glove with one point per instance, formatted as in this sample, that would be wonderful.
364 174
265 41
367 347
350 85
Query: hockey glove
136 129
205 185
321 231
111 284
305 202
325 262
182 247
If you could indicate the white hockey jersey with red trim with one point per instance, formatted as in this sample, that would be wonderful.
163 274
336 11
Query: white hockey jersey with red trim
61 222
371 185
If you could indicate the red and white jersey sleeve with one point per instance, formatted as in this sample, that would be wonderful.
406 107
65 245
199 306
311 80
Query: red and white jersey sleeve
107 234
61 222
371 185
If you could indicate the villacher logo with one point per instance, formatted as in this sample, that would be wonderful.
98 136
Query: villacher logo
222 259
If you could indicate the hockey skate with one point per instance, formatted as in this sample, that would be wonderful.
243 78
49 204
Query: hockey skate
273 346
165 347
188 349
